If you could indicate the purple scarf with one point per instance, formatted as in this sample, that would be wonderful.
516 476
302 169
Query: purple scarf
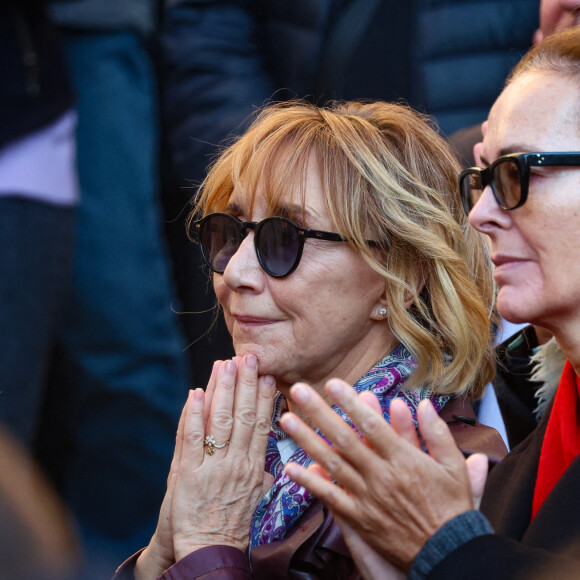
286 501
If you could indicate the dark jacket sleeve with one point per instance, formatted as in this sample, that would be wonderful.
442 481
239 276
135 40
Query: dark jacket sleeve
213 77
501 558
211 563
313 549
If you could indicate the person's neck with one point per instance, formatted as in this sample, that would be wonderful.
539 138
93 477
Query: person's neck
363 362
568 337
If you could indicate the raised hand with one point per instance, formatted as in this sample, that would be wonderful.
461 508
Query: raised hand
392 494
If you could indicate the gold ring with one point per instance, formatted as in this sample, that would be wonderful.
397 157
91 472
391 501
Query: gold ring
210 445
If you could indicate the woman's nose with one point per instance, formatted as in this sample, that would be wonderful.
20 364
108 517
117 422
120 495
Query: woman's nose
486 213
243 269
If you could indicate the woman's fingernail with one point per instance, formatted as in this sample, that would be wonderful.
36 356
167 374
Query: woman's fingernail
252 361
334 388
300 393
195 400
269 380
289 423
230 367
428 411
291 470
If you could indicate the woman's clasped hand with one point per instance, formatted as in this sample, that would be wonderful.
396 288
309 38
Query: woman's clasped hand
217 471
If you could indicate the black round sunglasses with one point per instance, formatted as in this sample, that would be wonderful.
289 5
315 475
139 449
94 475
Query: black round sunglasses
278 241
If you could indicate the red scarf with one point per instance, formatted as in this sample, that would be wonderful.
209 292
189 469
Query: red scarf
561 443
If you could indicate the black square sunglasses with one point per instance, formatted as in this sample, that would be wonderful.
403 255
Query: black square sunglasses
509 177
278 241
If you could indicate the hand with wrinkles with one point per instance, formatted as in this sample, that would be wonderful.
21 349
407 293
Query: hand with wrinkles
211 497
391 496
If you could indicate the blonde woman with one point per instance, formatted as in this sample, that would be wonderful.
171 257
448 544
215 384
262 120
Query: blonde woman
338 248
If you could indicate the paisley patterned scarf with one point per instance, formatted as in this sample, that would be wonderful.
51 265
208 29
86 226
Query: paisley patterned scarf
286 501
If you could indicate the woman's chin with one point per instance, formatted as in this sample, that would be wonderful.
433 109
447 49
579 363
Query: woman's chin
266 366
514 308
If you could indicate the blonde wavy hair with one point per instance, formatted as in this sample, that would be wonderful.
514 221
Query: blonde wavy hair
386 176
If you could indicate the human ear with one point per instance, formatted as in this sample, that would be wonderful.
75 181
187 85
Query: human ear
478 146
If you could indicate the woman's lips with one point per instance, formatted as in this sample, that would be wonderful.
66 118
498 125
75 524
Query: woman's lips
505 264
247 320
501 259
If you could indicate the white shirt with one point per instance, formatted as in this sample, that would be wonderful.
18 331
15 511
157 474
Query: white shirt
42 165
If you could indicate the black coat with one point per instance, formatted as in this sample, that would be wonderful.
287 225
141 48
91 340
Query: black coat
35 90
548 547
